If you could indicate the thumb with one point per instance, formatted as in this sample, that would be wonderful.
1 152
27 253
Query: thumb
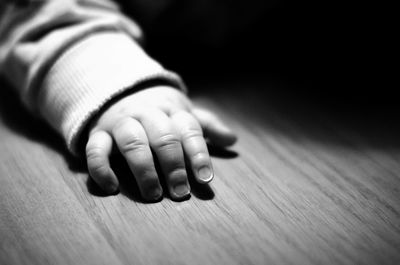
214 129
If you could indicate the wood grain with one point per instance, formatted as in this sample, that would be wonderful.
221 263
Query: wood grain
302 186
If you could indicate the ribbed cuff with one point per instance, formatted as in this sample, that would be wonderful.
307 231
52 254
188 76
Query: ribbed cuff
91 73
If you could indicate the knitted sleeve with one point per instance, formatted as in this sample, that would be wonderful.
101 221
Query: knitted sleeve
67 58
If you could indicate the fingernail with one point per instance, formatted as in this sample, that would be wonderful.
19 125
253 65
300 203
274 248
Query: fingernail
153 192
112 189
205 174
181 189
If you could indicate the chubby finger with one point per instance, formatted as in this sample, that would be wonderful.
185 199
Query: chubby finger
165 142
98 150
194 146
132 142
214 129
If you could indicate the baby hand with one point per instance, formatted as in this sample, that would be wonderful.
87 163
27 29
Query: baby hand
159 119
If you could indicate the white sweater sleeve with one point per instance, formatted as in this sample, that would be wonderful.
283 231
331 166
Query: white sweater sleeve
68 58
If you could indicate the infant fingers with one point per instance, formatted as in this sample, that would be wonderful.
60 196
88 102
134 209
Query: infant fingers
194 145
98 150
165 142
132 142
214 129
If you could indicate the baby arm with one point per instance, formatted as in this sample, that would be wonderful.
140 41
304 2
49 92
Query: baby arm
161 119
67 60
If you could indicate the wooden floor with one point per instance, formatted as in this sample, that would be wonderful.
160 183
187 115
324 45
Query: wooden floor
304 185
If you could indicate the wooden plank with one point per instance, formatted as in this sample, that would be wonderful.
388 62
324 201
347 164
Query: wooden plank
299 188
41 220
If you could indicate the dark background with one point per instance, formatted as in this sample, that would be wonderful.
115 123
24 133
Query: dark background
341 55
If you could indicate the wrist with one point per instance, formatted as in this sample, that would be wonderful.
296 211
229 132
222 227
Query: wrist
89 75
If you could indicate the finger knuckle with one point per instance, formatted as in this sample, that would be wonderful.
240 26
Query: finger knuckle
177 175
192 133
120 124
200 156
93 152
99 170
96 163
133 144
167 141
